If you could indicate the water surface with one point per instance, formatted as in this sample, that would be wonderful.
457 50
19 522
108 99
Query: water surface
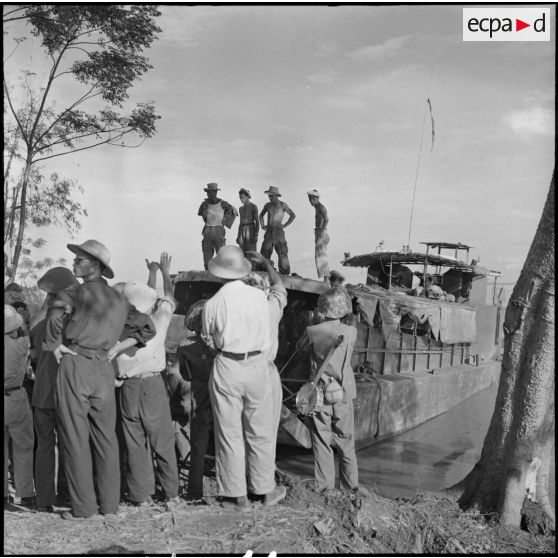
432 456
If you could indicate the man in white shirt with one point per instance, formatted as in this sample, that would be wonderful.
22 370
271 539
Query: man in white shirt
144 399
236 322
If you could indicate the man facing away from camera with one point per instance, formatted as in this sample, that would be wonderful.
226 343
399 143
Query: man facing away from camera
84 323
236 323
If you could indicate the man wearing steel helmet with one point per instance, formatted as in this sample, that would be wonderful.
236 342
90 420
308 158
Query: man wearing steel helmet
236 322
335 419
84 322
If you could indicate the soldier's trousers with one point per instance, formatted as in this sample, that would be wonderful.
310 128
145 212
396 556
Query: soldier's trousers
337 421
213 239
275 238
18 426
321 240
147 426
201 427
86 409
47 482
247 238
242 398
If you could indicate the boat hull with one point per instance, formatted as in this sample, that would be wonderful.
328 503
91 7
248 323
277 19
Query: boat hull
391 404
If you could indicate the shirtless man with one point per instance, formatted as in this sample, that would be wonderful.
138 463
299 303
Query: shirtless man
249 226
274 235
321 238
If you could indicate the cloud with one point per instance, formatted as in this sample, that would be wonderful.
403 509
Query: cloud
323 78
375 53
534 120
183 24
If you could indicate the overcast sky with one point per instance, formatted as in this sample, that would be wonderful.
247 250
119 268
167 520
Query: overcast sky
333 98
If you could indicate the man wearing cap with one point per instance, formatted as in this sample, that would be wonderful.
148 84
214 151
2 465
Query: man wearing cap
84 322
236 323
216 214
336 416
321 238
274 230
249 226
18 422
144 401
52 282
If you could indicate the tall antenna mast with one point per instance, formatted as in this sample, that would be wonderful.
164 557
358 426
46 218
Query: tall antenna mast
419 156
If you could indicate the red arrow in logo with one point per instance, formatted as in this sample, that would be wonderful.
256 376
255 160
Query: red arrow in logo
519 25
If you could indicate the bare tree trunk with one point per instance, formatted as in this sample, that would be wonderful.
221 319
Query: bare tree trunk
22 217
518 447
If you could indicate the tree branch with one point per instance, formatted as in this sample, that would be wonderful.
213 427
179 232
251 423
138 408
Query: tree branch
23 135
107 141
81 136
79 101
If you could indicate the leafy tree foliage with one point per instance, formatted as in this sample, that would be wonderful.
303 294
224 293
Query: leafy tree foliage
101 48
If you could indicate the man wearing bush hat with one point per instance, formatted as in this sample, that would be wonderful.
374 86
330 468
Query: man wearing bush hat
274 230
236 323
216 214
321 237
336 417
47 432
84 323
146 415
18 421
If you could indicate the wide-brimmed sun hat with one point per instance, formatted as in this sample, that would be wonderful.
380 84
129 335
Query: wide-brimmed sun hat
229 263
212 186
333 304
141 295
336 275
314 193
56 279
274 190
96 249
12 319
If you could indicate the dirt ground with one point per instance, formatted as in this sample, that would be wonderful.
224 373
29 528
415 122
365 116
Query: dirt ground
307 522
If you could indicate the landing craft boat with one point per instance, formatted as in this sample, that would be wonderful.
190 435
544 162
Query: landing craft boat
414 358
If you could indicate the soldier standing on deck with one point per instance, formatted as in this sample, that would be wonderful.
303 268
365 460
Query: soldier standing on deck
321 238
274 234
216 214
249 226
84 323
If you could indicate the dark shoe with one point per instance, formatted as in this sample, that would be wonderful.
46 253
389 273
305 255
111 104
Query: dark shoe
29 501
8 500
68 515
45 509
240 504
275 496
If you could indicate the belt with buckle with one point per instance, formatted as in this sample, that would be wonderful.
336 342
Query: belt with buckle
239 356
7 391
99 354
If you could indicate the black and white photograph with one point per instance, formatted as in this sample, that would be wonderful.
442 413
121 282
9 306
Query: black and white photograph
279 279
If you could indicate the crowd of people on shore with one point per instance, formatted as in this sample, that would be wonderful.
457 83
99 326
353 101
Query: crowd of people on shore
101 403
